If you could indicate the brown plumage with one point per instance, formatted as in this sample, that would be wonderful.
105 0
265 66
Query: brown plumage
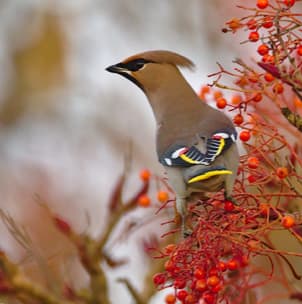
195 142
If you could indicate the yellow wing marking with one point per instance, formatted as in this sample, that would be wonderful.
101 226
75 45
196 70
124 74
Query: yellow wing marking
208 174
188 159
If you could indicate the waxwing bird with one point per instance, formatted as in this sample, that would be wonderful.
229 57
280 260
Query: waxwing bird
195 142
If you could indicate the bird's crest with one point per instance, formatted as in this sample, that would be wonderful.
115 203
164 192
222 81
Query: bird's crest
161 56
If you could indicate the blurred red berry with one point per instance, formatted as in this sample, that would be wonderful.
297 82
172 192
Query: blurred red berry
181 294
252 24
221 103
159 279
289 3
179 283
245 135
229 206
268 77
282 172
145 175
257 97
232 264
170 299
262 49
288 221
238 119
213 280
144 200
299 50
278 88
262 4
267 22
201 285
162 196
254 36
253 162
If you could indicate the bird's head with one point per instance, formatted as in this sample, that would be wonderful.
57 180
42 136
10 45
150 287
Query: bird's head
150 69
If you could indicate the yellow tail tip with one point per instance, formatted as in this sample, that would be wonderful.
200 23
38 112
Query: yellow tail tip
208 175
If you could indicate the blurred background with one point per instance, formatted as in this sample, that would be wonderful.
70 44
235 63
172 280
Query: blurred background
66 124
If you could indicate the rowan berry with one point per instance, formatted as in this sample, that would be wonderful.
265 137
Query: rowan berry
289 3
282 172
254 36
144 200
262 4
199 273
201 285
252 24
267 22
221 103
245 135
170 299
253 162
278 88
269 77
288 221
159 279
236 99
299 50
181 294
257 97
263 49
179 283
213 280
229 206
162 196
145 175
232 264
238 119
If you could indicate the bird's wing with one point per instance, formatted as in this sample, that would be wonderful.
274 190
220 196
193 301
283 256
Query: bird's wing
185 156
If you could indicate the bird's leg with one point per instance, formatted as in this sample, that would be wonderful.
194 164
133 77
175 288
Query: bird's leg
181 208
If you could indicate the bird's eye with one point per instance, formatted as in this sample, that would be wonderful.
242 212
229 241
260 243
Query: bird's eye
136 64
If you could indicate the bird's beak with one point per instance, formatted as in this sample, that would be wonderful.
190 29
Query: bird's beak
118 68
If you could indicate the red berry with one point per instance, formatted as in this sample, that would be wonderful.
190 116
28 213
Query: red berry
282 172
267 22
262 49
254 36
288 221
213 280
144 200
170 299
221 103
278 88
262 4
251 178
199 273
232 264
209 298
222 266
267 58
181 294
229 206
179 283
162 196
145 175
190 299
252 24
253 162
170 248
289 3
169 266
257 97
201 285
159 279
238 119
269 77
299 50
245 135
